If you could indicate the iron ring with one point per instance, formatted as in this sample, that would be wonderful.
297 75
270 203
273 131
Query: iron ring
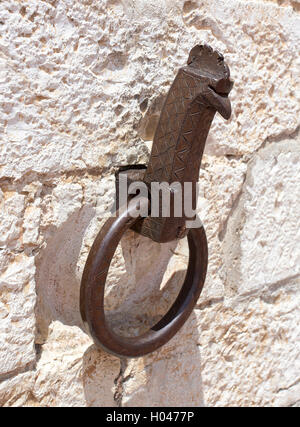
93 285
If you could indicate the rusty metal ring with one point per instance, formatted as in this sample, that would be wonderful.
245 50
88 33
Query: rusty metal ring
93 284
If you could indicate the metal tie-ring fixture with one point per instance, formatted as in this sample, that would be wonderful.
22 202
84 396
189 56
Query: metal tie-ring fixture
199 90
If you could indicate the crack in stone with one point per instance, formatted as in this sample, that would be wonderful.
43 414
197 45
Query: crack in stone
119 381
46 177
289 387
208 303
267 289
293 405
235 204
268 141
30 367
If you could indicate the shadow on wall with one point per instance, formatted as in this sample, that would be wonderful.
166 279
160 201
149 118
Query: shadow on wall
56 278
138 294
168 377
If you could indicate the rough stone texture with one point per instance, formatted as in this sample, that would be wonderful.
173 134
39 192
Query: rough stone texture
17 303
81 87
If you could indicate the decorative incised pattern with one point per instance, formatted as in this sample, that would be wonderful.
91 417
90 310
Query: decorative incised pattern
175 131
182 131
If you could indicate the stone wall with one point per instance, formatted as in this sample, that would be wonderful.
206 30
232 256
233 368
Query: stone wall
81 87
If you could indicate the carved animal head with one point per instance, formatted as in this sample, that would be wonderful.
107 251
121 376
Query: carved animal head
208 65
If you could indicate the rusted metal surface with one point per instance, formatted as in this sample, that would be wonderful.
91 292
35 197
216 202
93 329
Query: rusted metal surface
93 285
199 90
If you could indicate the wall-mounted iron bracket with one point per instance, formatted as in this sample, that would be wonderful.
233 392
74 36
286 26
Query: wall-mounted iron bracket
199 90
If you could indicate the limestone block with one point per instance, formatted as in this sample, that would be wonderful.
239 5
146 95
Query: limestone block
17 391
250 349
17 326
261 245
70 373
